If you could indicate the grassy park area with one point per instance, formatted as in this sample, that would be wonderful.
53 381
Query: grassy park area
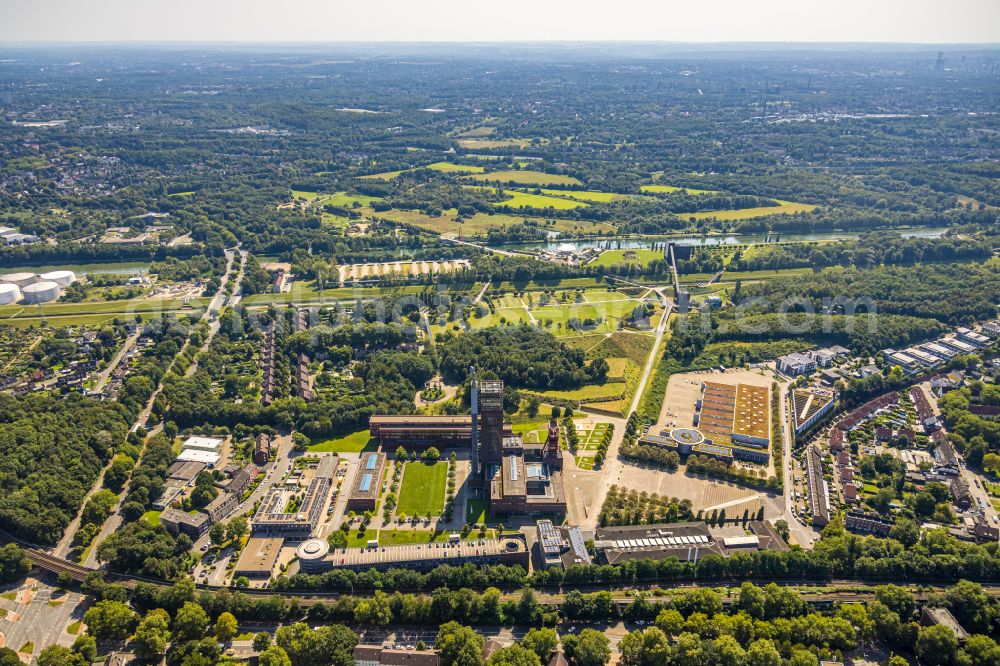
353 443
640 257
423 489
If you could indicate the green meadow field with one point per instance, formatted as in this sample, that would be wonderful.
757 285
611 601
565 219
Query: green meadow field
669 189
641 257
520 199
525 178
786 207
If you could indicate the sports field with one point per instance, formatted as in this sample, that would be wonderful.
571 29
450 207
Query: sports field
423 489
600 311
525 177
475 132
77 314
385 175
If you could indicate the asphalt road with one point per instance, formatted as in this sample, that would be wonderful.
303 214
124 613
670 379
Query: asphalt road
804 535
43 619
105 375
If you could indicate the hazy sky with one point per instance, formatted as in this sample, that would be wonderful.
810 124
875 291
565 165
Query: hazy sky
472 20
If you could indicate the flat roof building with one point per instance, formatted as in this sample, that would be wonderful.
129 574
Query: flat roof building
922 357
202 444
259 557
185 471
939 351
808 407
508 549
367 482
752 418
687 542
207 458
272 519
795 363
177 521
561 546
971 337
738 414
960 346
930 616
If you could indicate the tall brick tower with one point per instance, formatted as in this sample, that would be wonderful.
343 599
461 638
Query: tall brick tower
490 410
550 452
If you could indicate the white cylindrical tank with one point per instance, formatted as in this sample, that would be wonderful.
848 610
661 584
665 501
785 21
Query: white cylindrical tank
41 292
9 293
62 278
20 279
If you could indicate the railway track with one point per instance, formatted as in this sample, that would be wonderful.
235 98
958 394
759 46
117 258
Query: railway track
57 565
622 596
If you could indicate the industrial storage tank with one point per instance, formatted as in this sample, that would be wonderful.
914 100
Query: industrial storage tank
20 279
41 292
62 278
9 293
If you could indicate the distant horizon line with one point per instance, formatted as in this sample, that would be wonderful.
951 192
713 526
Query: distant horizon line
499 42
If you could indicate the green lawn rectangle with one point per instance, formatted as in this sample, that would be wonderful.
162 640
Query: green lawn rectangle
423 489
353 443
641 257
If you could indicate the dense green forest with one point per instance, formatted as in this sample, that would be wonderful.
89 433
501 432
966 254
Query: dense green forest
54 450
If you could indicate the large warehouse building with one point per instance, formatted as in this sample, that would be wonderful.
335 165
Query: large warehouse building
731 423
420 430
